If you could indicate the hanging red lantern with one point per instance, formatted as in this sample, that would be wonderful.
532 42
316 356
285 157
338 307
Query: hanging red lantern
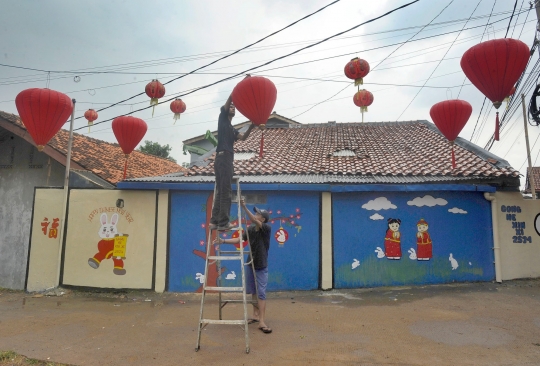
91 115
357 69
129 131
43 112
363 99
281 236
494 67
255 98
177 107
450 117
154 90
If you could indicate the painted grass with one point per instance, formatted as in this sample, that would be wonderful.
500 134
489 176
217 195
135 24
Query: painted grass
13 358
383 272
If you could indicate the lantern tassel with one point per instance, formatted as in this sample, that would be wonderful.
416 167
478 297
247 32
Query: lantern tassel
261 149
453 156
176 117
497 127
359 81
125 166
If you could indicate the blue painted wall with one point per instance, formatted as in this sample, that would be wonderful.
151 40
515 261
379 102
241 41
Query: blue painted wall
359 232
292 266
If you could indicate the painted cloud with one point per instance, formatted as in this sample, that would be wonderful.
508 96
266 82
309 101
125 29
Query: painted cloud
376 216
456 210
427 200
379 203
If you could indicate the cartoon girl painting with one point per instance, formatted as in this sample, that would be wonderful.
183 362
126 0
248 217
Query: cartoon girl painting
423 242
392 240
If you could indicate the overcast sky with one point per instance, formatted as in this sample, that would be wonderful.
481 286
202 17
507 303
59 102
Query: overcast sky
146 40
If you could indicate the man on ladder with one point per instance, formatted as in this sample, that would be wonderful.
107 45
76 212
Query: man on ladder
259 241
224 166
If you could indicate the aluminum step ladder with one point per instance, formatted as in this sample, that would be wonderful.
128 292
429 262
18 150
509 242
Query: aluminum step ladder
221 255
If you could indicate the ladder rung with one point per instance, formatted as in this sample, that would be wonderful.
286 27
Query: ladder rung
223 288
233 251
216 321
238 300
224 257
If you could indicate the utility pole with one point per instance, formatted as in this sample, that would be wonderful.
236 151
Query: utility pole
531 175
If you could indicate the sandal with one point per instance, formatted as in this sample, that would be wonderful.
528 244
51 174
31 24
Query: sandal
251 321
265 330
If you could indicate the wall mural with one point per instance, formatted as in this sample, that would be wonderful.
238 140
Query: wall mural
428 238
111 246
289 213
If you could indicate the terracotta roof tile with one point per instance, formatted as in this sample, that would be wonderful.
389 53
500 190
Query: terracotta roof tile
105 159
386 149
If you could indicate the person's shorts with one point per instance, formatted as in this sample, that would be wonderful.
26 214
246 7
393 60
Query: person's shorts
262 280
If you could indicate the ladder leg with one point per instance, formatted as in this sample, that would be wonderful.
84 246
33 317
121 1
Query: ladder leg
244 298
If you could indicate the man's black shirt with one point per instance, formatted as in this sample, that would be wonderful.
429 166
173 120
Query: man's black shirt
227 135
259 241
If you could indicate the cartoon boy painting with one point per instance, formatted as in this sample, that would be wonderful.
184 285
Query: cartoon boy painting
392 240
424 249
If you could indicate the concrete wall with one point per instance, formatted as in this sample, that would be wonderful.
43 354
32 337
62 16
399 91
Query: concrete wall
518 235
22 168
43 259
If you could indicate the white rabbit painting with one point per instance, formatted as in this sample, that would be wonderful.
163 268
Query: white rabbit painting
105 246
231 276
453 262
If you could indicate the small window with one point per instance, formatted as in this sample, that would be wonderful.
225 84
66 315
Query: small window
251 198
243 155
344 153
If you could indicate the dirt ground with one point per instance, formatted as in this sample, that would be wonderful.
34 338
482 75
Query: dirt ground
459 324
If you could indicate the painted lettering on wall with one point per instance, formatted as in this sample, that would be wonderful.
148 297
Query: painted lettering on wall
111 209
512 215
53 230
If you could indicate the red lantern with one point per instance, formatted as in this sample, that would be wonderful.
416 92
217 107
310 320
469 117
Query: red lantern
357 69
281 236
43 112
129 131
255 98
91 115
235 235
177 107
363 99
450 117
154 90
494 67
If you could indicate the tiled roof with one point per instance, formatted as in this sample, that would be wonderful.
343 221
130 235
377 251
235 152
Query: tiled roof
411 149
536 177
105 159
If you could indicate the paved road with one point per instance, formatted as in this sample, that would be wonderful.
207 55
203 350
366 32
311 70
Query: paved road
458 324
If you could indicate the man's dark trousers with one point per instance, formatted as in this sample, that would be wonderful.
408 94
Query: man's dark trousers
223 169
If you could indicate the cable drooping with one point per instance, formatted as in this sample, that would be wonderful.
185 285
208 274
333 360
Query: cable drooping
271 61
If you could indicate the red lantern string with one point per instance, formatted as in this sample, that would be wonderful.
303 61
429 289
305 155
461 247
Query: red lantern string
125 166
497 127
261 148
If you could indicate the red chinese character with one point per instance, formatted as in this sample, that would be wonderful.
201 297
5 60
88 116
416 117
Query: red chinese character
55 223
44 225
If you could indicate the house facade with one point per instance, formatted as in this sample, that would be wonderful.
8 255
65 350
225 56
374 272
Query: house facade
94 164
351 205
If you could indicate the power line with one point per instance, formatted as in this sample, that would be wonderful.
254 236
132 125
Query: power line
510 22
276 59
448 50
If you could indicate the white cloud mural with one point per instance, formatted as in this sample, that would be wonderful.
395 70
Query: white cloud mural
379 203
456 210
427 200
376 216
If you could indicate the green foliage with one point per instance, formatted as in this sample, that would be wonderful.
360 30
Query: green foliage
154 148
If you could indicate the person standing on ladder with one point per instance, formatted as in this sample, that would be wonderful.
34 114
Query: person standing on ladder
224 165
259 241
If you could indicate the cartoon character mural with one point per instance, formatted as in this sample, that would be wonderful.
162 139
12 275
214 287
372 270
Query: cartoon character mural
424 246
392 239
112 245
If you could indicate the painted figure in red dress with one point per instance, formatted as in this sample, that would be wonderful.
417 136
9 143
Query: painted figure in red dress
424 250
392 240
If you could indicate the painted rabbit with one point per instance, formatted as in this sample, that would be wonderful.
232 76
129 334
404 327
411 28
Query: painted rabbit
105 246
380 253
453 262
355 263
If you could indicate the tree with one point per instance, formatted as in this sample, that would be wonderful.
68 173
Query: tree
154 148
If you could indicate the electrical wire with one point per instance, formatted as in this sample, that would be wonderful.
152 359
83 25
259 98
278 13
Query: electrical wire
276 59
448 50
